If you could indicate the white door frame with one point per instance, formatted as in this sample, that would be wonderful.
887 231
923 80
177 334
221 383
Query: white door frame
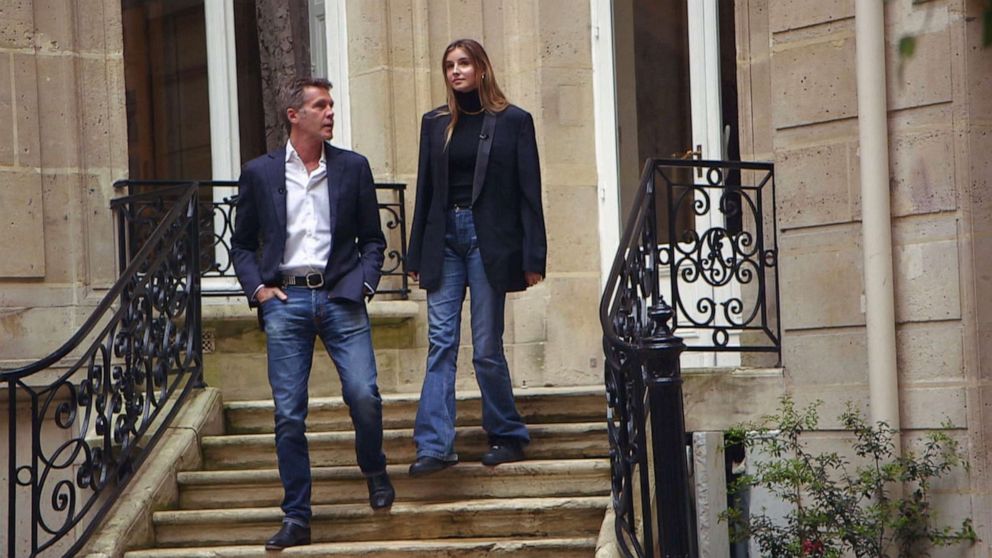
607 146
222 87
704 86
225 134
336 33
707 126
705 93
222 79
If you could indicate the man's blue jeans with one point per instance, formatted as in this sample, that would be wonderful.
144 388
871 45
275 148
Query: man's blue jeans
290 330
434 430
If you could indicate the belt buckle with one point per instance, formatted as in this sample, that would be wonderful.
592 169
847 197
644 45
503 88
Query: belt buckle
314 280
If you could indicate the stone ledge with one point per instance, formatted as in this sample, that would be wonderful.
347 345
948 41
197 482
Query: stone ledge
716 399
606 543
447 548
235 308
738 372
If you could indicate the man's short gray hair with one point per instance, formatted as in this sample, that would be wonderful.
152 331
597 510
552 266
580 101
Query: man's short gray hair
291 95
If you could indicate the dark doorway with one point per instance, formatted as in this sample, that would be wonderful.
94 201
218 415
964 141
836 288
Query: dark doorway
654 105
168 104
165 73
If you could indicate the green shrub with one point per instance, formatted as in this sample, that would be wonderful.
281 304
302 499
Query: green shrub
880 507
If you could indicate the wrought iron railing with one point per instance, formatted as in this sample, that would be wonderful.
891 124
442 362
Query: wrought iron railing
393 214
697 235
217 224
722 260
83 419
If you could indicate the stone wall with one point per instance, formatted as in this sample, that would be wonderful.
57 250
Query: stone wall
799 108
542 59
63 141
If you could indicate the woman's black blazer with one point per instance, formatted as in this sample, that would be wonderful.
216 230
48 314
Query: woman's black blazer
506 200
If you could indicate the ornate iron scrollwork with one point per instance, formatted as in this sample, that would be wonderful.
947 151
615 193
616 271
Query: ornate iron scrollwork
392 211
727 248
631 287
217 224
722 270
120 380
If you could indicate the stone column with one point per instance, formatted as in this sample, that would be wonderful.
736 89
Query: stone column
284 49
975 142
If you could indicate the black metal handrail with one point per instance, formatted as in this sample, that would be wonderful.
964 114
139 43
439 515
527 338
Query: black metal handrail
727 262
121 378
217 224
632 290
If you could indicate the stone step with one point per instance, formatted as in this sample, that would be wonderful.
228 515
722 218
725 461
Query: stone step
261 487
516 517
443 548
536 405
548 441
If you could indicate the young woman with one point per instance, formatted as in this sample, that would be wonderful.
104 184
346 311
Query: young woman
478 223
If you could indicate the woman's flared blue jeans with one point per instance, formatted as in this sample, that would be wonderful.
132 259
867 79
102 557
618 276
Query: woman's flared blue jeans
434 430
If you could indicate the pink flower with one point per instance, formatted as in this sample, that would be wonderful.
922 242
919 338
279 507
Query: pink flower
813 548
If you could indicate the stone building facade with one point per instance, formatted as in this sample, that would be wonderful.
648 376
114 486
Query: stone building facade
801 102
64 140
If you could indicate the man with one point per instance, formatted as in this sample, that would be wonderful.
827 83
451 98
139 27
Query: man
315 209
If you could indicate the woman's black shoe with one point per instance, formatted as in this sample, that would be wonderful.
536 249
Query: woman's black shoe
381 493
427 465
502 453
291 534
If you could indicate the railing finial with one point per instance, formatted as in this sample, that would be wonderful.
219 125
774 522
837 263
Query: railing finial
660 313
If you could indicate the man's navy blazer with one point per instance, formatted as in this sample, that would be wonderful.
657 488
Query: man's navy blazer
357 242
506 200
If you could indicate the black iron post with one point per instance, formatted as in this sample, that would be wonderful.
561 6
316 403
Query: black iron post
405 280
11 466
194 275
660 352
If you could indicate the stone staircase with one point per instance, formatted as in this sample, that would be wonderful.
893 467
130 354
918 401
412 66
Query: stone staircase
551 505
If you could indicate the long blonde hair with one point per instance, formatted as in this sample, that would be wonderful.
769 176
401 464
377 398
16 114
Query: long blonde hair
491 96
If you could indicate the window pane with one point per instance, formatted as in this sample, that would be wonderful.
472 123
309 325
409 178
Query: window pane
251 115
168 112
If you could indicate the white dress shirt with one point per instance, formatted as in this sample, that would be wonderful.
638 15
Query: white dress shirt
308 216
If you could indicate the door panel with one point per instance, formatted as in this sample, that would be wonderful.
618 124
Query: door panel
671 99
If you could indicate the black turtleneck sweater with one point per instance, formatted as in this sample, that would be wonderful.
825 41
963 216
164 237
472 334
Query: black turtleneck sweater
463 148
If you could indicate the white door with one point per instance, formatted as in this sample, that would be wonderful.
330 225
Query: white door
703 23
639 49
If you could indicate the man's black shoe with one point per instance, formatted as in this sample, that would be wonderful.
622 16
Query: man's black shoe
381 493
426 465
502 453
291 534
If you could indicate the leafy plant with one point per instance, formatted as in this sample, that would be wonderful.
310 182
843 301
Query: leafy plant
878 507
